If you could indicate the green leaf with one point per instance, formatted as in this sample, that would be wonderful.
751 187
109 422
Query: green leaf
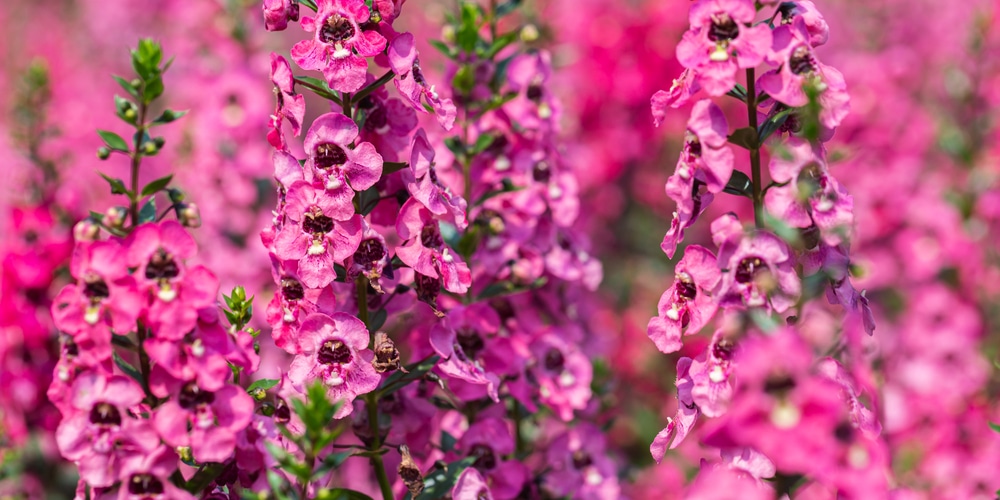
263 384
204 476
148 211
995 427
509 288
117 185
447 442
157 185
113 140
739 184
391 167
506 8
309 3
416 371
745 137
368 200
500 43
344 494
377 320
168 116
153 90
443 48
467 34
482 142
439 483
764 320
146 60
332 461
738 92
455 145
128 369
772 124
126 86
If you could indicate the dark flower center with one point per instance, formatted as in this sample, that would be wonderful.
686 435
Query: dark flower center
334 352
428 288
292 289
282 413
779 383
801 61
336 29
369 252
723 350
534 92
554 360
317 224
418 76
192 396
844 432
686 289
70 348
161 266
329 155
581 459
145 484
723 28
542 172
105 414
485 458
693 145
472 344
748 268
96 289
430 236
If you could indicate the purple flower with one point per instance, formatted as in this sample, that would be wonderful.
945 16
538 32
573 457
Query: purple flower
471 486
386 122
411 84
687 305
207 421
563 374
683 420
489 440
337 166
711 375
456 362
370 259
681 91
424 249
758 269
579 466
423 183
291 106
819 31
721 41
146 476
341 45
334 350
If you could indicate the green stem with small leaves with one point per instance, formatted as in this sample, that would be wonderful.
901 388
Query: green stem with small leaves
758 197
136 157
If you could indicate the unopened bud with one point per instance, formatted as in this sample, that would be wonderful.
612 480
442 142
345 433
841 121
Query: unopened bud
189 215
258 393
529 33
266 409
184 452
150 148
448 33
103 153
86 230
386 354
410 473
115 217
175 195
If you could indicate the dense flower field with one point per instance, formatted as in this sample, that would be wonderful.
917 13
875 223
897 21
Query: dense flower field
717 249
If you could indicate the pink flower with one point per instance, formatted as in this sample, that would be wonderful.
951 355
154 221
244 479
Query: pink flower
337 166
104 299
819 31
411 84
175 292
798 67
758 269
207 421
100 431
563 374
489 440
371 258
721 41
683 88
334 350
423 183
580 468
808 195
277 13
687 305
681 423
471 486
724 483
291 106
386 122
711 374
201 356
424 249
147 477
341 45
455 362
535 106
292 303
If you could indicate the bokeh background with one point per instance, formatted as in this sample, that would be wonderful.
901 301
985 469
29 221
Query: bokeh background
919 153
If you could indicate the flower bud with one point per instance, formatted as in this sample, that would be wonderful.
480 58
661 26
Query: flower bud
103 153
410 473
150 148
115 217
529 33
175 195
386 354
189 215
86 230
448 33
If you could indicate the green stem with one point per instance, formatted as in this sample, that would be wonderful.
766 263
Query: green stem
345 104
320 91
758 197
376 459
144 363
384 79
136 157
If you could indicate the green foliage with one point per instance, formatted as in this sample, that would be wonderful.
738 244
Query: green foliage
156 185
239 307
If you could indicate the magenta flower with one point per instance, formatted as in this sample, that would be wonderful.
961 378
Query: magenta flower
176 293
337 166
386 122
798 67
147 477
456 362
471 486
758 269
103 299
424 249
207 421
834 262
312 236
411 84
711 374
718 483
334 350
489 440
563 374
721 42
680 221
748 460
370 259
292 303
291 106
341 44
687 305
423 183
682 90
580 468
99 432
683 420
535 106
808 195
819 31
277 13
201 356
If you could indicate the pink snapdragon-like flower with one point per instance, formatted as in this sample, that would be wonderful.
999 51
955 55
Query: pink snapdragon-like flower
456 362
99 432
341 44
103 299
387 122
809 196
207 421
723 483
489 440
687 305
711 374
175 292
684 419
748 460
411 84
535 106
334 350
292 303
721 41
371 258
759 268
277 13
579 467
422 182
147 477
424 249
563 373
290 106
203 355
798 67
834 262
683 88
819 31
334 165
471 486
